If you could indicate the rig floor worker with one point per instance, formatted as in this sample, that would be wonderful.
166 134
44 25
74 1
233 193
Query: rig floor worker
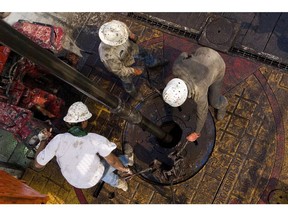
84 158
199 77
118 51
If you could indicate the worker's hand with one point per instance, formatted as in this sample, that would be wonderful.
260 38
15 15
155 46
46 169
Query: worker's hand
193 136
138 71
125 173
128 174
133 37
185 55
44 134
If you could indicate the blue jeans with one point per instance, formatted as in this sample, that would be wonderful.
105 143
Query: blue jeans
109 176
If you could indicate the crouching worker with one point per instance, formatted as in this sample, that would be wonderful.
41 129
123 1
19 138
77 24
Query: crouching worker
84 158
199 77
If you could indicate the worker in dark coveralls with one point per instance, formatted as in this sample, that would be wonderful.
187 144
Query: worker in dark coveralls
199 77
118 51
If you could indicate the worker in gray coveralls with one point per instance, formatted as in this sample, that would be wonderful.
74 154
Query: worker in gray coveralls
199 77
118 51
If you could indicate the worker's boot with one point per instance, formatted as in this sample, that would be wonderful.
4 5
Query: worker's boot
158 63
122 184
130 89
137 95
220 113
128 152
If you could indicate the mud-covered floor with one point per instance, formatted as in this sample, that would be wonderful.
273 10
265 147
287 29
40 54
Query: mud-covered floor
249 161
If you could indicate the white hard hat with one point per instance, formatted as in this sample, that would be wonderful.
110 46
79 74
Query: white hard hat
114 33
77 112
175 93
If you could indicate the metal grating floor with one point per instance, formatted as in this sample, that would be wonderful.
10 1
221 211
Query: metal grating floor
187 34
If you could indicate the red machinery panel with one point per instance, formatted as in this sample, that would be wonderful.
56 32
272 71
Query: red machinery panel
4 54
47 36
27 90
21 123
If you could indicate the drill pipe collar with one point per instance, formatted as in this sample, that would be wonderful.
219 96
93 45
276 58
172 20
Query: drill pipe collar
127 113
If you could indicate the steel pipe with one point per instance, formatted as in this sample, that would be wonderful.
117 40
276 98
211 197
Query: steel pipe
42 57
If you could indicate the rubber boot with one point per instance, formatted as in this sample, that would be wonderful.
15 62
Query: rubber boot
221 114
122 184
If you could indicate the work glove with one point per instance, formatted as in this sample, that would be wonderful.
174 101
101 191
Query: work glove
138 71
128 171
193 136
125 173
44 134
185 55
133 37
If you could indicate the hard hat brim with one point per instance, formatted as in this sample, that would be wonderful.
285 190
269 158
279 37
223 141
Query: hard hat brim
124 35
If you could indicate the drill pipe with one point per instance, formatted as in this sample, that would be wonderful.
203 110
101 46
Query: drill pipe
40 56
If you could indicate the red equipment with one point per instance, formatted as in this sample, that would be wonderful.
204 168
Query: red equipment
4 53
27 90
21 123
47 36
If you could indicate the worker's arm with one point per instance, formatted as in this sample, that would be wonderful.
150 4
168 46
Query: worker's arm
116 163
114 64
133 37
42 145
43 137
202 111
